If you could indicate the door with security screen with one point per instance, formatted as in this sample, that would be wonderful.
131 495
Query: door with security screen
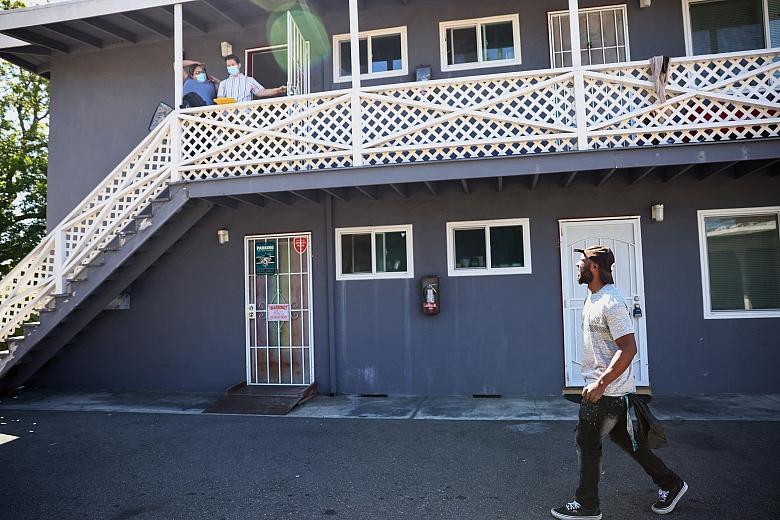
279 332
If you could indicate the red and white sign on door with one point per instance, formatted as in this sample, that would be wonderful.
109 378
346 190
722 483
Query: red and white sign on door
300 244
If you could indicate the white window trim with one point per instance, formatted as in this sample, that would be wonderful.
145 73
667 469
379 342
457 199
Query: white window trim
374 275
709 314
477 23
487 224
391 31
622 7
689 33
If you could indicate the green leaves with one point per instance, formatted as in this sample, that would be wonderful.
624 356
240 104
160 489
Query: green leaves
24 104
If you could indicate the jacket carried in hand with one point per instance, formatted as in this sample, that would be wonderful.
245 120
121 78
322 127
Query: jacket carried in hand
648 429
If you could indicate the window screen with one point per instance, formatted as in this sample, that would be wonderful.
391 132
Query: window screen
356 253
743 255
718 26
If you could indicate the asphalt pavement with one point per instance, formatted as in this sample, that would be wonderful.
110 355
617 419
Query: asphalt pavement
108 465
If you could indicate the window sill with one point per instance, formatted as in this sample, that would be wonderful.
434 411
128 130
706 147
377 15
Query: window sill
496 271
735 315
480 65
378 276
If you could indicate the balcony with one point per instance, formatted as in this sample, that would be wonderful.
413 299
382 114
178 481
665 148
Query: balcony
719 98
723 97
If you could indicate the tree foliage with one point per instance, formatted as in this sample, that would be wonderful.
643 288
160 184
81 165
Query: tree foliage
24 105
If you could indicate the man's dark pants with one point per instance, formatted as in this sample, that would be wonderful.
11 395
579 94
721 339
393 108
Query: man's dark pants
605 417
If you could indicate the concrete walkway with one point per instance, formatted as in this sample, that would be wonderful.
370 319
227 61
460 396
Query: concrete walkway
723 407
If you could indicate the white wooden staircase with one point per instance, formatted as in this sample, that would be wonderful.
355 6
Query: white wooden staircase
117 232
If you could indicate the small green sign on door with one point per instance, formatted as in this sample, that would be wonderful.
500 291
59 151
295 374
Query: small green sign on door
265 257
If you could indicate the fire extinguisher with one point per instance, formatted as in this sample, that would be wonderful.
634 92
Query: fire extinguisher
430 295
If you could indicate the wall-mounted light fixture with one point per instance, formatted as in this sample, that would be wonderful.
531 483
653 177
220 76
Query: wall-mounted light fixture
645 3
223 235
657 212
226 48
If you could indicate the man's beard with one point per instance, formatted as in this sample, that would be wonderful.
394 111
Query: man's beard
585 277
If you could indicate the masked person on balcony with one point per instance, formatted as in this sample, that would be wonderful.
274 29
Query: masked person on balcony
241 87
198 83
608 350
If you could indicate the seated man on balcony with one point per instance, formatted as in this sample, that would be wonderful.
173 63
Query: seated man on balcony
241 87
199 83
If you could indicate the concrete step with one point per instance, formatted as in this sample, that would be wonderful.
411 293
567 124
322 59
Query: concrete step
31 326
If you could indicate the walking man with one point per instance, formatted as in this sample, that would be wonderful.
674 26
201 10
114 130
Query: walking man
609 347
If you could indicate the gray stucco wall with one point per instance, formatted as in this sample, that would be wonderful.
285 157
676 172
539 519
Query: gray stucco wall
502 334
102 101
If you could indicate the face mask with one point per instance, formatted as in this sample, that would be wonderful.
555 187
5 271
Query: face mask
232 70
201 77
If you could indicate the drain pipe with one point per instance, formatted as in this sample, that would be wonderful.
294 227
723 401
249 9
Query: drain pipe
330 254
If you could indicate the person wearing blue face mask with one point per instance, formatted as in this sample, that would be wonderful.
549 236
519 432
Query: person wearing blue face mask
241 87
198 82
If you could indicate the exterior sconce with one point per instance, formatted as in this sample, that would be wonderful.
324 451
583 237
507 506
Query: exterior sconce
226 49
657 212
223 235
645 3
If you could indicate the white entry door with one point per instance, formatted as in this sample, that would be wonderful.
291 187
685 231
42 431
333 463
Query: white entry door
298 60
279 321
622 235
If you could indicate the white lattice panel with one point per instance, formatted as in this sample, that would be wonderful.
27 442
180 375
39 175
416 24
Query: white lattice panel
283 135
708 99
459 119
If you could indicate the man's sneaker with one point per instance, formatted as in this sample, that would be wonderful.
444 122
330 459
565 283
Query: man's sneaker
668 499
574 511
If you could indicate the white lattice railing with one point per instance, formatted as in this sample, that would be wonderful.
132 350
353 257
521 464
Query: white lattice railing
77 239
709 98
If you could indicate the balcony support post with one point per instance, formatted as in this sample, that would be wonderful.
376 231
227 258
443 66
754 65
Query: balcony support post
60 245
178 87
357 120
579 77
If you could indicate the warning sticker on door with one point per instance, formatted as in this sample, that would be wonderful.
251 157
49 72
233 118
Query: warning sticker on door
300 244
278 312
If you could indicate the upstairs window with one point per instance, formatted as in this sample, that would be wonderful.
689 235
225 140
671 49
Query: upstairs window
383 54
718 26
480 42
603 36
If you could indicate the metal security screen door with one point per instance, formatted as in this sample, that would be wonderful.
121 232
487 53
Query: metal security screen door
298 60
622 235
279 331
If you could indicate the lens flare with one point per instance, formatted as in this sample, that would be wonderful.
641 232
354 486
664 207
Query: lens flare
308 22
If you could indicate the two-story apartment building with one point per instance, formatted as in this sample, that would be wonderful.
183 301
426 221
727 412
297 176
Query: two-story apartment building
409 229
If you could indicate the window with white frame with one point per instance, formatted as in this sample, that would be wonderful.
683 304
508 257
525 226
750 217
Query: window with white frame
383 53
740 255
603 36
374 252
480 42
488 247
716 26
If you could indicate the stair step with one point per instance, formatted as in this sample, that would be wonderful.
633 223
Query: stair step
95 262
114 245
164 195
31 325
145 213
62 296
130 229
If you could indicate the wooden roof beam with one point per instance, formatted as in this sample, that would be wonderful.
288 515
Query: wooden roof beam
37 39
75 34
219 7
144 21
193 21
113 30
